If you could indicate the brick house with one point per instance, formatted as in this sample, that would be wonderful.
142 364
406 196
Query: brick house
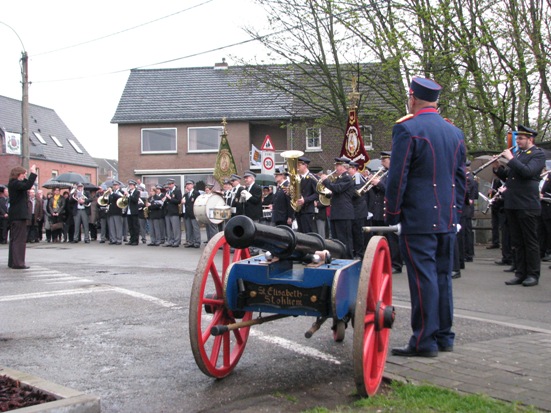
169 124
52 147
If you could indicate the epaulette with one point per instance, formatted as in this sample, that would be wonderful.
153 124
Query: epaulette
404 118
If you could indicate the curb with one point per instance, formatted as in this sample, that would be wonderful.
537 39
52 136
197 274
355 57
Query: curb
69 400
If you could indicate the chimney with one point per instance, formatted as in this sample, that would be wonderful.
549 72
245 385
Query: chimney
221 66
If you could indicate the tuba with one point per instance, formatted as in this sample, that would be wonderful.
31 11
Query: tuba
103 200
324 193
291 157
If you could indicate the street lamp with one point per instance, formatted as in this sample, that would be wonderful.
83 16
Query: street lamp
24 102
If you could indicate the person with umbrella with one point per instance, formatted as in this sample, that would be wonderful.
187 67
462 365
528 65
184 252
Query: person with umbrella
19 214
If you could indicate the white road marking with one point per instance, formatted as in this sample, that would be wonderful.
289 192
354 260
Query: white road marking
151 299
296 347
47 294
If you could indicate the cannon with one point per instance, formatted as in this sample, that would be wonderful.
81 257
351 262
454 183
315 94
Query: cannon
296 275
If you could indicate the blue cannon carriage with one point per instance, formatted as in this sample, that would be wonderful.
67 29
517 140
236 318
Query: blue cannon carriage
297 275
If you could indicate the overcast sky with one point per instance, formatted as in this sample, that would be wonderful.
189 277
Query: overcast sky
82 79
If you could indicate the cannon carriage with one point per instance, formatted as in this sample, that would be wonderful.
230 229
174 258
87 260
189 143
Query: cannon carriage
297 275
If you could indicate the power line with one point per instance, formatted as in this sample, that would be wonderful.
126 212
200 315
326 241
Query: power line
124 30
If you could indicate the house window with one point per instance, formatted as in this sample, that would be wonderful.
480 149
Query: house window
367 136
204 139
162 140
75 146
40 138
56 141
313 139
54 173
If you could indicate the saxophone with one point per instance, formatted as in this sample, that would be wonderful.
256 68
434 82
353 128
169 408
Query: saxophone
291 157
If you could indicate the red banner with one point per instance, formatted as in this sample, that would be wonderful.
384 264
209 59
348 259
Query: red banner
353 145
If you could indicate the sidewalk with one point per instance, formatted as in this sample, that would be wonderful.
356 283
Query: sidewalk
512 368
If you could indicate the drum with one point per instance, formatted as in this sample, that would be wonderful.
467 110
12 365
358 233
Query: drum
221 212
205 206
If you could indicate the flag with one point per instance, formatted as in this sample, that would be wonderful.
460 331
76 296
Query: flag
225 164
256 156
353 146
13 143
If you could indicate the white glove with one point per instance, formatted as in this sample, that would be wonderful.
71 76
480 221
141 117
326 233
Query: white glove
458 227
399 228
246 195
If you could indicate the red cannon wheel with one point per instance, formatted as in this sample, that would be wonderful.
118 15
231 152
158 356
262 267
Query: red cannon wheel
373 317
216 356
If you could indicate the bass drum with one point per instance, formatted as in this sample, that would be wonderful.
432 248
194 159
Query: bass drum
205 206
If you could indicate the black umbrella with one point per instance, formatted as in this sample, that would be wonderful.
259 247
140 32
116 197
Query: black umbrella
108 183
71 177
90 187
264 179
51 184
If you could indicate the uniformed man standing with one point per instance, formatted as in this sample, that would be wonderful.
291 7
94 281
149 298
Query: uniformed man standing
308 182
359 202
522 205
172 200
424 193
342 190
282 212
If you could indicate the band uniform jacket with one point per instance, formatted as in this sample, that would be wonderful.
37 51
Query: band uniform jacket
426 179
546 198
236 204
308 191
341 201
113 208
172 205
19 210
74 204
471 193
133 202
522 176
253 207
156 206
190 198
376 200
281 209
359 202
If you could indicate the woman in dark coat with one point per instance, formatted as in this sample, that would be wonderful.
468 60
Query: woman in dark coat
18 215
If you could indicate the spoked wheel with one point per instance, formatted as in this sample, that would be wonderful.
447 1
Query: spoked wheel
216 356
373 317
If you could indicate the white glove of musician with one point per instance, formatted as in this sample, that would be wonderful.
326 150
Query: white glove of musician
245 195
458 227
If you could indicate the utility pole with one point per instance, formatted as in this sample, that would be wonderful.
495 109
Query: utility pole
25 111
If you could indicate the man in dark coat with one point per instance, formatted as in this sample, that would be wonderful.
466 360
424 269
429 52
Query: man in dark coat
251 197
522 205
80 201
359 202
3 214
425 190
282 213
342 189
173 198
193 234
308 194
131 213
18 215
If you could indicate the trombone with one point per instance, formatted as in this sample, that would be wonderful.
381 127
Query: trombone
380 174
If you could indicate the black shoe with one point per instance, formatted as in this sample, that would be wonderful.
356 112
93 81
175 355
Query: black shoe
530 282
167 245
515 281
408 351
492 247
503 262
87 242
151 245
74 242
468 259
197 246
112 243
510 269
118 243
456 274
25 267
445 349
102 242
175 246
396 271
546 258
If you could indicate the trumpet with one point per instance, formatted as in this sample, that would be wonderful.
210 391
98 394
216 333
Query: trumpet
103 200
380 174
491 161
324 193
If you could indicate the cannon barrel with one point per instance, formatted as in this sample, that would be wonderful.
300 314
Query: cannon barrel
281 241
